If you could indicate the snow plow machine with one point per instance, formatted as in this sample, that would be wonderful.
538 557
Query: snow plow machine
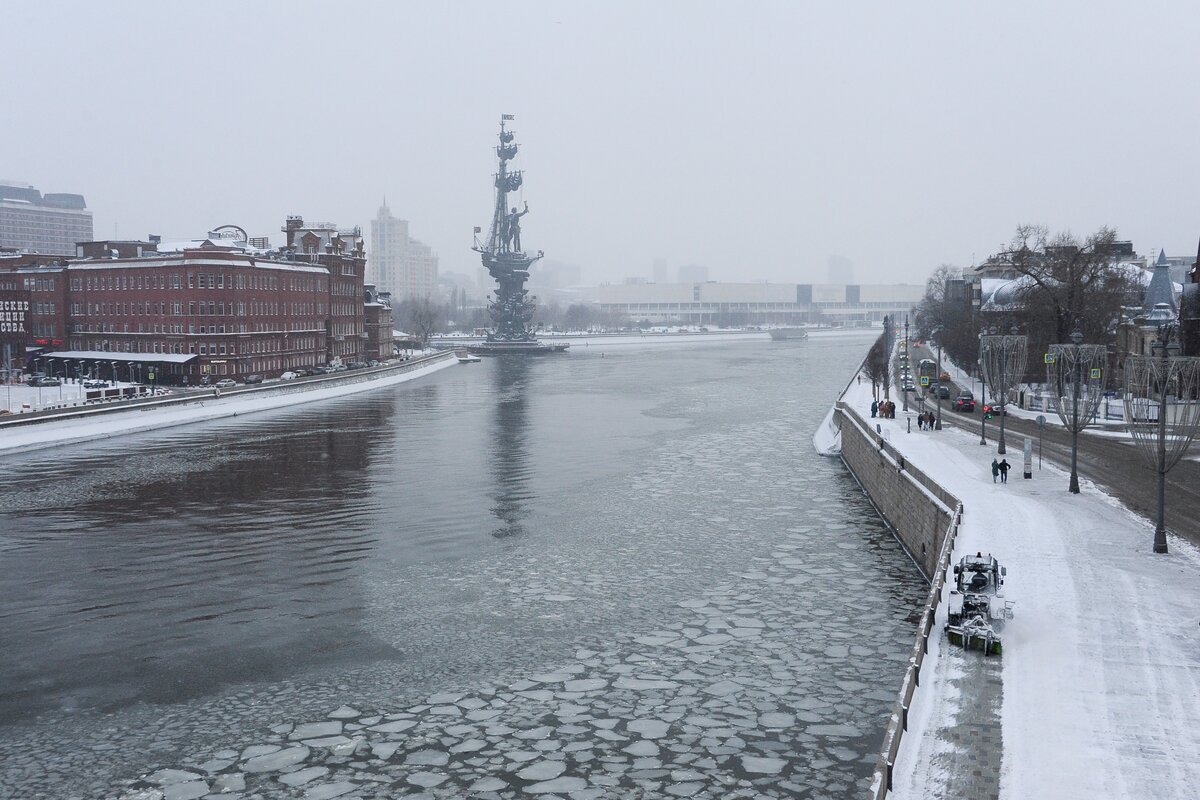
977 610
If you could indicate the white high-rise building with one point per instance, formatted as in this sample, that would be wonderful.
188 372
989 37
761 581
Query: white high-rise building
398 263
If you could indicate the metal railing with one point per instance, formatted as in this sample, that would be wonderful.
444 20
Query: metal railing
881 782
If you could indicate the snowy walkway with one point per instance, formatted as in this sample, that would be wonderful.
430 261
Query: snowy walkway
1101 666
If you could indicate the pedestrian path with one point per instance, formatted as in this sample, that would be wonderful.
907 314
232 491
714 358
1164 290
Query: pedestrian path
1100 675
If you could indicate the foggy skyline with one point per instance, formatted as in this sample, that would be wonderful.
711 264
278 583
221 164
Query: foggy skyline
756 141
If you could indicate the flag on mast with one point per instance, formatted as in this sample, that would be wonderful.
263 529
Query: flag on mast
507 116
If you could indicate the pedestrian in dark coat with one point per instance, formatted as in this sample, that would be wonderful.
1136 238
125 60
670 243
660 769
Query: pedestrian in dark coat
1004 467
874 407
995 470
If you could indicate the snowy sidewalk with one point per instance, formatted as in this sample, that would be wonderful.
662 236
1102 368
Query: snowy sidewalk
1101 665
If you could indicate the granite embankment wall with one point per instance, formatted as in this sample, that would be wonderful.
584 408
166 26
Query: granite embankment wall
917 508
926 518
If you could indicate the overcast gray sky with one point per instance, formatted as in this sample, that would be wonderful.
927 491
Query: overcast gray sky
755 138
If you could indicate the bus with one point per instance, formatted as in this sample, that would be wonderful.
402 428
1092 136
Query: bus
926 368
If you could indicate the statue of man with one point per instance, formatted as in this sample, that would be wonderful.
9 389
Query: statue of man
514 227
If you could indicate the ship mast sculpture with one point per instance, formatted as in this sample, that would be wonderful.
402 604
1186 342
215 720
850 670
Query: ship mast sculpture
505 259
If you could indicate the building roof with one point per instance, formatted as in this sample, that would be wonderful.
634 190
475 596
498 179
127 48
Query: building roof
1161 289
135 358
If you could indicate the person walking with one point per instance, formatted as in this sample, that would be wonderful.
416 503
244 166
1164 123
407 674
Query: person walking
995 470
874 407
1004 467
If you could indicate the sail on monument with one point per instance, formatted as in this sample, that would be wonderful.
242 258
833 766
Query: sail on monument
507 261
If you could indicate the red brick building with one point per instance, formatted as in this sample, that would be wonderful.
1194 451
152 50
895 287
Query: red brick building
217 306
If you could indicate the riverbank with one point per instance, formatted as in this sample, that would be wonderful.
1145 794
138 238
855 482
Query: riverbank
85 423
1099 685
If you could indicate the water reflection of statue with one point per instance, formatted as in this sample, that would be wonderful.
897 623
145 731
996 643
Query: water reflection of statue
512 228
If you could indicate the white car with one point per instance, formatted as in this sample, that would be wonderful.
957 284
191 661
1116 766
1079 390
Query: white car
287 376
226 383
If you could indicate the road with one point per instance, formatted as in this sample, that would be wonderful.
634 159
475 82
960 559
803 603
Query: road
1108 462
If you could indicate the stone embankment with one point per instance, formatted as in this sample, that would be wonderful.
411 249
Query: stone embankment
925 518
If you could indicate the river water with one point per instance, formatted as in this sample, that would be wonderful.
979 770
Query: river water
618 572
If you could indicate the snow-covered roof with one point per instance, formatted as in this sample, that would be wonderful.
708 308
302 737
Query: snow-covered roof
104 355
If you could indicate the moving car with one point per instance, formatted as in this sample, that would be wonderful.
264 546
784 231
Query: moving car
254 379
965 402
226 383
95 384
942 391
288 376
45 382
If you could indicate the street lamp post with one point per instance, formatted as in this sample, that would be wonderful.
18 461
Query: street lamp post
982 399
937 425
903 387
1076 406
1163 440
1004 359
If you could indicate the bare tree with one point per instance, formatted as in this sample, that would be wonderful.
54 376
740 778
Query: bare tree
877 366
1065 282
422 317
948 319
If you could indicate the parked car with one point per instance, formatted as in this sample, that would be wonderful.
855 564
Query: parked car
45 382
317 370
225 383
288 376
95 384
254 379
965 402
355 365
372 363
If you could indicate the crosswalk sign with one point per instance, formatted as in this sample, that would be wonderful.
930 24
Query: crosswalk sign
1048 358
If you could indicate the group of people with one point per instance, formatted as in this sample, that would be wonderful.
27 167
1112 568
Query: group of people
1000 470
884 409
926 420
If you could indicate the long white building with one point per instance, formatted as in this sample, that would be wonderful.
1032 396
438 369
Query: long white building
756 303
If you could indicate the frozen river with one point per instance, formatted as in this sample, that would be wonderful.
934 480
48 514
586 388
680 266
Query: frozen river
605 574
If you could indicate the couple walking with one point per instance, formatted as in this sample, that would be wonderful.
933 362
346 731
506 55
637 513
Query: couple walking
1000 470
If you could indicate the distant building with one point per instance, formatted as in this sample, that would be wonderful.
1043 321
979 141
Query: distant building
693 273
660 273
400 265
377 324
35 223
711 302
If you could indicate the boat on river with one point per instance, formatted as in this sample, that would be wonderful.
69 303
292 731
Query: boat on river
787 334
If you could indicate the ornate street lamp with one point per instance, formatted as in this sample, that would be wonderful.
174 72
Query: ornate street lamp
1004 358
1162 432
1073 372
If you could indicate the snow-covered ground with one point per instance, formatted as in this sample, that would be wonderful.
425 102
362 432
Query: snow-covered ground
203 407
1101 665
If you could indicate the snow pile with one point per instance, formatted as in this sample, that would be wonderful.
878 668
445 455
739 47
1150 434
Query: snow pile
828 438
207 407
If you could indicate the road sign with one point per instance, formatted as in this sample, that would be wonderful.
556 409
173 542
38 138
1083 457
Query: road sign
1048 358
1041 420
924 380
1096 374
